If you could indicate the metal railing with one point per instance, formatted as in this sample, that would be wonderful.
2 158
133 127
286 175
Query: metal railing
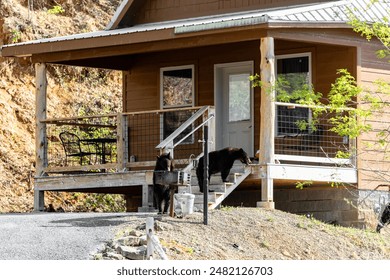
96 141
301 138
187 130
127 141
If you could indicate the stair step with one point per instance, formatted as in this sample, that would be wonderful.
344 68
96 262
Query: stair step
220 189
216 179
211 198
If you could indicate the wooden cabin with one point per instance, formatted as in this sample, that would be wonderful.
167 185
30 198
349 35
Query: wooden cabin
186 67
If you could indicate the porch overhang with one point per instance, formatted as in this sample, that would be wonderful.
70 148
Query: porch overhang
114 43
314 16
317 16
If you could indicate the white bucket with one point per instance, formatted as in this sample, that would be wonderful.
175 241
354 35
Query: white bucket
184 203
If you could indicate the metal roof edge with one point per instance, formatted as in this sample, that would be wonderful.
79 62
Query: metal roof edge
221 24
312 24
253 17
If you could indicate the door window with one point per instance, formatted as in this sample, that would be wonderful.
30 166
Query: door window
239 97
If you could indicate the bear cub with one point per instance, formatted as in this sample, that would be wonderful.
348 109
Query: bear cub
161 193
221 161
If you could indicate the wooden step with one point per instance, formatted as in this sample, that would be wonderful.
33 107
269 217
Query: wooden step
211 197
220 189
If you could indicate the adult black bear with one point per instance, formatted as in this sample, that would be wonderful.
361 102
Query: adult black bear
161 193
221 161
385 218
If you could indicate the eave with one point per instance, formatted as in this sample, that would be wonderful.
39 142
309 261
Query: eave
110 39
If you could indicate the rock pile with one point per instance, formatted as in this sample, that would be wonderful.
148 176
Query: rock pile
131 244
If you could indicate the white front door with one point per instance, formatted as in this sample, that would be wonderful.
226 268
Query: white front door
234 107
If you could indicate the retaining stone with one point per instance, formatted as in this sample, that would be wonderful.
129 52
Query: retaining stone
133 253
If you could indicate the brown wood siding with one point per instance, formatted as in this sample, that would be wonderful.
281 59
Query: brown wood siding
374 164
326 59
142 79
162 10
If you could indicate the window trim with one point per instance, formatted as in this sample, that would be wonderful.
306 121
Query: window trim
286 56
172 68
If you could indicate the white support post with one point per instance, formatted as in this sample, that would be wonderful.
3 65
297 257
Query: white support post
267 119
149 234
40 130
212 129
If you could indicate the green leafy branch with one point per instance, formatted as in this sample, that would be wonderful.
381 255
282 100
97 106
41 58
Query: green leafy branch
379 30
57 9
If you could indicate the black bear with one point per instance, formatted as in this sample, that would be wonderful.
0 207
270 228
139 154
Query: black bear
385 218
161 193
221 161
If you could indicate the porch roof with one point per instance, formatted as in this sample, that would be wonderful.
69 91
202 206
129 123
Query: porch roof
332 14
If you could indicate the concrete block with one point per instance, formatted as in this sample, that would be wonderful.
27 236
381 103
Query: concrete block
266 204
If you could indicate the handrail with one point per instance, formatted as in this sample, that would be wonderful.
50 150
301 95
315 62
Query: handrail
58 120
55 120
181 128
311 106
195 129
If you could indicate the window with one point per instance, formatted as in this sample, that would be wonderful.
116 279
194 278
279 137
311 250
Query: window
239 97
295 70
177 91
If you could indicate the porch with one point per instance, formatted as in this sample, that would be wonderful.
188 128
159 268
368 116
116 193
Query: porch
126 165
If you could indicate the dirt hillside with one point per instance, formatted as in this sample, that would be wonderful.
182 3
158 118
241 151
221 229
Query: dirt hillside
67 94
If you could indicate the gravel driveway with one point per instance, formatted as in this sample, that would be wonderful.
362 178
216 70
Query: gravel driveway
56 236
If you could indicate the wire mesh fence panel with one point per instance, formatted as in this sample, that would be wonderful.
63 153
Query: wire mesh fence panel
298 134
147 130
82 141
94 140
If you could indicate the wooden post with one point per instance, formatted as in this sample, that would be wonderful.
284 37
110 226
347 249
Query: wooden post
267 119
40 130
172 190
122 142
145 196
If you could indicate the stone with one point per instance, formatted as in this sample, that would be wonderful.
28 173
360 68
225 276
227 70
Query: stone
114 256
143 240
136 233
133 253
129 241
287 254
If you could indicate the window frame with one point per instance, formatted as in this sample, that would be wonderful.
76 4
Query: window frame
173 68
190 139
287 56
